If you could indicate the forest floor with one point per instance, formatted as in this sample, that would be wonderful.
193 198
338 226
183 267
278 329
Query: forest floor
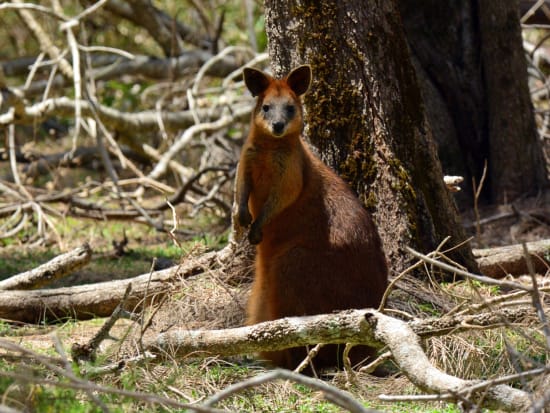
206 301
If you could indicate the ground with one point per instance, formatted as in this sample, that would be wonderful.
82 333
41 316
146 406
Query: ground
206 302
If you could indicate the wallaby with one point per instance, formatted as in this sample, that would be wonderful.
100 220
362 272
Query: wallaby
317 247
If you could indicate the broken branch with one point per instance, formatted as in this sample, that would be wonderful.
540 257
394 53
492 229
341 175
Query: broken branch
54 269
367 327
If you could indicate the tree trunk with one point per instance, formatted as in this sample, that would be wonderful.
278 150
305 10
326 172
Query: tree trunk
366 118
470 61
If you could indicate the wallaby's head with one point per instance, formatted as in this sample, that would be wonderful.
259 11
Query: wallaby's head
278 111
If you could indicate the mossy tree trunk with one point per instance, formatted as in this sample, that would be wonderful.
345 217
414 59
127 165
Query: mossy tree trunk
470 61
365 116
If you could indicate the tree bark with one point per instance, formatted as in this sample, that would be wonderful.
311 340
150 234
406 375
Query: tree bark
365 116
470 62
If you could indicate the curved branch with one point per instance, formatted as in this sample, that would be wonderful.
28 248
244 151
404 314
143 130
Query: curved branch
368 327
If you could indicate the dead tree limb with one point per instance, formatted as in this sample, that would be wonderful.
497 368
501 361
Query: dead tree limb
332 394
187 34
501 261
54 269
106 67
301 331
87 351
368 327
95 300
145 121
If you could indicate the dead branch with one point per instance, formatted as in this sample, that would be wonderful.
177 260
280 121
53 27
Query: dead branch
501 261
54 269
106 67
127 11
43 38
332 394
468 275
87 351
368 327
168 68
126 122
60 377
147 16
301 331
96 300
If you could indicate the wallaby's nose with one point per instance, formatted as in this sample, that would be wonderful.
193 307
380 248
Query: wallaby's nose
278 127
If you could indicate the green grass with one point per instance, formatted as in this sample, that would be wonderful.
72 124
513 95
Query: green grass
144 245
17 260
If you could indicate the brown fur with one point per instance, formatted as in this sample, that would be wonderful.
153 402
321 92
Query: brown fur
317 247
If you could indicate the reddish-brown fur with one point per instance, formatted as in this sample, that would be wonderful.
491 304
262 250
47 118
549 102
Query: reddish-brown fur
317 247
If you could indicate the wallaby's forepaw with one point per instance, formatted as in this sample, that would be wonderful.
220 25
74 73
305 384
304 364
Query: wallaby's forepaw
255 234
244 217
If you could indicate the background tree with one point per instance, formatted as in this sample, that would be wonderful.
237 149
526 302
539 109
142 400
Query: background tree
365 115
473 74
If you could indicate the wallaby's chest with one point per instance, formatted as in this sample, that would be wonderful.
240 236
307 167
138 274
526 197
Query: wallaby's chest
267 166
275 174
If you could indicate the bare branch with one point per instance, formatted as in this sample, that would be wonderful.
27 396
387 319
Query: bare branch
126 10
126 122
53 270
367 327
95 300
46 43
87 351
458 271
332 394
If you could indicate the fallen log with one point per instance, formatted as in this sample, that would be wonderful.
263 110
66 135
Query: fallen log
95 300
100 299
53 270
510 259
368 327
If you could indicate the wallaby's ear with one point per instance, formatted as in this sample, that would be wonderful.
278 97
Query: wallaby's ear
255 80
299 79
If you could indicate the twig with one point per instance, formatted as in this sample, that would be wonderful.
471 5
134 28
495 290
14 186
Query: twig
80 352
392 283
311 354
33 7
369 368
351 377
536 297
70 374
185 138
531 11
332 394
477 193
44 39
458 271
128 122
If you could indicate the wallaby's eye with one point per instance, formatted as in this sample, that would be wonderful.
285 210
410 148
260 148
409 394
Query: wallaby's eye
265 108
290 110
